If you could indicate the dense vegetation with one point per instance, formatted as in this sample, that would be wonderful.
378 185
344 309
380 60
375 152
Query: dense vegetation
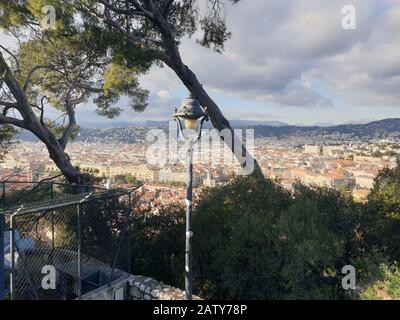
254 240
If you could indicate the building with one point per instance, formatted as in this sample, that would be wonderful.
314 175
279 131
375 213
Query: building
165 175
312 149
147 174
333 150
366 182
328 180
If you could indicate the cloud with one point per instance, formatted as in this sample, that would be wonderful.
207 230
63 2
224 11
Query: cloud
369 73
164 95
291 53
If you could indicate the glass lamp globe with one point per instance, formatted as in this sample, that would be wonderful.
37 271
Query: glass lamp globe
190 112
190 124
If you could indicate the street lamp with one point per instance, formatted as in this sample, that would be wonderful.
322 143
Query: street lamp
190 116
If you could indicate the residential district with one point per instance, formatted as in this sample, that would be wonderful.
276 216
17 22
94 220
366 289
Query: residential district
341 162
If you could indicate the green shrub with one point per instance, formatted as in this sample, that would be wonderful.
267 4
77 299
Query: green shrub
255 240
387 288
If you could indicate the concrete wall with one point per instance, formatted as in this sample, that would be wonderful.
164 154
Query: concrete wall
137 288
107 292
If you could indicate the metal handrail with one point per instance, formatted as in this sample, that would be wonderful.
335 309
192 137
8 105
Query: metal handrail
52 182
68 201
38 184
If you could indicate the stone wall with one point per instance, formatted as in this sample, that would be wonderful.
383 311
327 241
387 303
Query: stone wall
137 288
144 288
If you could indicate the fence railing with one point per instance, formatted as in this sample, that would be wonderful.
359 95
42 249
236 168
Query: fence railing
15 193
64 248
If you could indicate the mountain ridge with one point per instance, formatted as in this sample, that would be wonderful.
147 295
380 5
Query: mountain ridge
379 128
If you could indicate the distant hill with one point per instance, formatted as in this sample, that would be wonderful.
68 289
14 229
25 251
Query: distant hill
131 134
247 123
156 123
234 123
379 128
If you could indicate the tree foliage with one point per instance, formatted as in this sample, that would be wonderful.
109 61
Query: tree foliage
67 71
157 244
63 68
254 240
382 218
183 17
138 32
387 287
273 245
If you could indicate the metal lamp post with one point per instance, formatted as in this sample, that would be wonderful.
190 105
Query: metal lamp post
190 117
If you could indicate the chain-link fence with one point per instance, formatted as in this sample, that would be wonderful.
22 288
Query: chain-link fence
62 249
16 193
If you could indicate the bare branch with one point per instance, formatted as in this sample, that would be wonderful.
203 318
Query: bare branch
167 7
33 70
118 10
42 109
139 7
90 88
70 105
13 121
11 54
17 92
8 105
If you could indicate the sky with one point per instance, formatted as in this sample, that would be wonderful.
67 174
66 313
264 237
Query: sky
289 61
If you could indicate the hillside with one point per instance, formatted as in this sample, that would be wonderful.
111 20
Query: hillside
378 129
133 134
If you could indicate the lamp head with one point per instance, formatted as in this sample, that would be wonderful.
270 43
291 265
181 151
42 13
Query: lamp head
190 111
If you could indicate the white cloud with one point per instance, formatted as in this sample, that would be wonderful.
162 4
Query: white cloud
292 53
285 52
164 95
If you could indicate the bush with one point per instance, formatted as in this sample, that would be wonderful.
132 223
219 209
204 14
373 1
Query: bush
272 245
386 289
158 245
381 222
255 240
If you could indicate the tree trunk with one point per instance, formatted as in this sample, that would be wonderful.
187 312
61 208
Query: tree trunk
218 120
63 163
174 60
37 127
57 153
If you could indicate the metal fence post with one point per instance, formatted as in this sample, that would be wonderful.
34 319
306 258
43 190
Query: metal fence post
189 233
12 253
52 216
2 270
79 251
129 233
3 195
